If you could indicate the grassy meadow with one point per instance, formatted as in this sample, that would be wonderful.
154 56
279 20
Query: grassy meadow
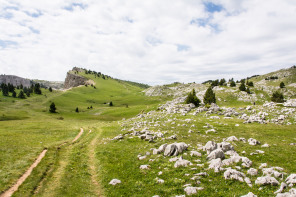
85 167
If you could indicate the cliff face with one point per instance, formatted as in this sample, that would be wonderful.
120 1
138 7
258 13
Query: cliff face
15 80
73 80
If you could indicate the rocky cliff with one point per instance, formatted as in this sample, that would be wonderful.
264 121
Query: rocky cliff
73 80
15 80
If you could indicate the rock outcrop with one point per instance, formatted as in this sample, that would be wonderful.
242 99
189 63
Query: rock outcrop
15 80
73 80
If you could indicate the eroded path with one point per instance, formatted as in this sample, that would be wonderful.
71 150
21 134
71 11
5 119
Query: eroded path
23 178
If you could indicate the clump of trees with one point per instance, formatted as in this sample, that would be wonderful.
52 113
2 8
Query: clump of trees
52 108
192 98
209 97
277 97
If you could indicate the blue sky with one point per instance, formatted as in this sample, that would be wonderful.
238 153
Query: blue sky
154 42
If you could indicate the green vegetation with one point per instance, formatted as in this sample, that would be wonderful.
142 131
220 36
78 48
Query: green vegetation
52 108
282 85
277 97
209 96
85 167
191 98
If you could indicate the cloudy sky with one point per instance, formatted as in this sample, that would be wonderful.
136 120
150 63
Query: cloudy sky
152 41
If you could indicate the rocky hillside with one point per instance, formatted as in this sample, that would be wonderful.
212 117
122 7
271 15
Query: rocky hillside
53 84
15 80
74 80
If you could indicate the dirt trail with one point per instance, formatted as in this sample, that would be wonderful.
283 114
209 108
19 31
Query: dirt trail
9 192
78 136
14 188
92 164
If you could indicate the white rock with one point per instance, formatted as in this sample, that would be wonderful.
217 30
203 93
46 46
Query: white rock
216 164
291 193
252 172
195 153
234 174
281 189
114 182
182 163
265 145
291 179
210 146
218 153
250 194
144 167
263 165
266 180
192 190
231 139
253 142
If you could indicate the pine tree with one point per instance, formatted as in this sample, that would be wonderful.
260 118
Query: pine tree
251 84
111 104
77 110
282 85
232 84
277 97
4 88
191 98
209 96
50 89
21 86
14 94
37 89
242 87
21 95
28 94
248 90
52 108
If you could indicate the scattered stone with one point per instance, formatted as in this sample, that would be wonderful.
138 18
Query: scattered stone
216 164
234 174
291 193
195 153
266 180
291 179
192 190
253 142
210 146
263 165
114 182
252 172
265 145
175 149
281 189
231 139
218 153
160 181
182 163
211 130
144 167
250 194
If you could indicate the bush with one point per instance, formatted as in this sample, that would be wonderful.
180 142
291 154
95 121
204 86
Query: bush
277 97
251 84
191 98
242 87
111 104
209 96
232 84
52 108
282 85
77 110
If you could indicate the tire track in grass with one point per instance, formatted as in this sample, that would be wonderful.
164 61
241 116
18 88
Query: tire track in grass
92 164
22 179
63 160
14 188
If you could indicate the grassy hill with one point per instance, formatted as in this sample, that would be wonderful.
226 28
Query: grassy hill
85 167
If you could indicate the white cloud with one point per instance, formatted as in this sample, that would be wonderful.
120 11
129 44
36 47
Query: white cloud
138 40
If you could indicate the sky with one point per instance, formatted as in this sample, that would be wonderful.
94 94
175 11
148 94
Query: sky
152 42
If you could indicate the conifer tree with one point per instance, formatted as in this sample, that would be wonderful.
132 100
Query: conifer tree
14 94
232 84
209 96
111 104
77 110
192 98
52 108
37 89
50 89
21 95
282 85
277 97
242 87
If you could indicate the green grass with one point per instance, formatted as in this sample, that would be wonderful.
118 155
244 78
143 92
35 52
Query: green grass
71 169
